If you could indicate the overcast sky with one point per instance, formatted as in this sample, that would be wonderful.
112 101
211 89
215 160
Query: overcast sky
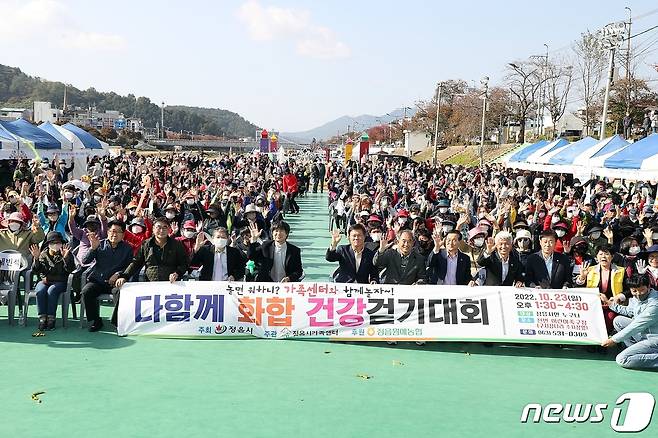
293 65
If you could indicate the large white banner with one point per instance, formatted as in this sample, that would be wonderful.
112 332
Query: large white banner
361 312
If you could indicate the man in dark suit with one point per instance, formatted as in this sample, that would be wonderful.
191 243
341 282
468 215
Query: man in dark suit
548 269
449 266
355 260
276 260
502 265
218 261
403 264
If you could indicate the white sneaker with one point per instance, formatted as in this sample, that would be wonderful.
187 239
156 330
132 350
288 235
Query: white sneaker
392 342
420 342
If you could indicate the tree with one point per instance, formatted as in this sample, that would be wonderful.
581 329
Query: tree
524 80
590 67
639 95
558 85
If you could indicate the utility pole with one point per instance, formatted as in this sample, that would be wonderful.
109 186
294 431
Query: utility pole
436 123
162 119
628 61
485 82
610 36
544 93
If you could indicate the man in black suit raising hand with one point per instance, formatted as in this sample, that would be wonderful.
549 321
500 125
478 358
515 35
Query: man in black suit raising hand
276 260
355 260
502 265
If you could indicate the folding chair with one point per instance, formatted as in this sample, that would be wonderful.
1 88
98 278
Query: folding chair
12 263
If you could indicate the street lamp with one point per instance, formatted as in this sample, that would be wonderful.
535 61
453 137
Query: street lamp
162 119
485 83
436 122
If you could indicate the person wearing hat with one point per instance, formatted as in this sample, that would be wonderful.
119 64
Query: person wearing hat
474 245
62 173
523 245
595 238
92 224
51 220
191 209
138 230
355 261
561 230
53 267
214 219
251 216
110 257
18 237
188 237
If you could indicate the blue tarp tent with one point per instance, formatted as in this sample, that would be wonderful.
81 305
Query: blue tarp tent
523 154
26 131
568 155
638 155
88 140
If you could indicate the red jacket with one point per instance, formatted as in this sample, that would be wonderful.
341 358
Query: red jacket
290 183
135 240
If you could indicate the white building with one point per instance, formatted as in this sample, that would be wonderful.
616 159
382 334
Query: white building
44 112
415 141
11 114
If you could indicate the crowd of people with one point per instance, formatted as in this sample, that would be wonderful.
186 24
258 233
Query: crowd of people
175 216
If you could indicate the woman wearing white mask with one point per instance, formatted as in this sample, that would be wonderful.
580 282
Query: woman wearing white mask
19 238
53 267
188 237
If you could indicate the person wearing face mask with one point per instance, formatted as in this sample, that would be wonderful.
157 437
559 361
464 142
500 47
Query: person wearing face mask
51 220
19 238
251 215
424 243
636 325
561 230
53 267
191 209
171 214
188 237
375 234
474 246
595 239
218 260
139 229
628 255
523 245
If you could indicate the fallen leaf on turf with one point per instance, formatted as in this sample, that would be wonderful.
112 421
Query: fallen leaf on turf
398 363
35 396
364 376
327 352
